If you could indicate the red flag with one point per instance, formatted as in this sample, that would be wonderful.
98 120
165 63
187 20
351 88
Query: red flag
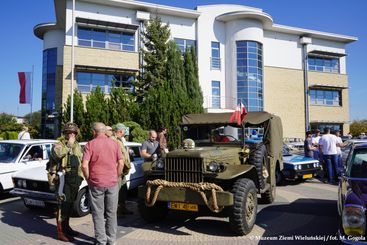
25 87
238 114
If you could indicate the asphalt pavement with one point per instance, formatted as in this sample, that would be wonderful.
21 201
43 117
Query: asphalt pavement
303 213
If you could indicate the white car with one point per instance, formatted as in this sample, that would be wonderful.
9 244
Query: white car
16 155
32 185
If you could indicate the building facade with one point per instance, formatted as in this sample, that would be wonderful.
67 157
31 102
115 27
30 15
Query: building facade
243 55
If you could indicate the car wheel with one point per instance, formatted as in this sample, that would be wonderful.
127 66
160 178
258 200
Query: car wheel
258 158
269 195
81 204
279 177
242 214
152 214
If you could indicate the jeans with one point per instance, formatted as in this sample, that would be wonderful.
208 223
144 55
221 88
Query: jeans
103 203
331 164
339 164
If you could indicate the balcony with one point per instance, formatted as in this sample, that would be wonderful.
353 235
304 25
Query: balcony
219 103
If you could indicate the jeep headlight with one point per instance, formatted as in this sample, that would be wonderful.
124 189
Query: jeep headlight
215 167
297 167
159 164
19 183
315 165
354 220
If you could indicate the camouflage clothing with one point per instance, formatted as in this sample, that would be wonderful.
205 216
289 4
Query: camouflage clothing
127 164
68 159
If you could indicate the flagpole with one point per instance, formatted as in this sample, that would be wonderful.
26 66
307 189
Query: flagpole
30 117
72 65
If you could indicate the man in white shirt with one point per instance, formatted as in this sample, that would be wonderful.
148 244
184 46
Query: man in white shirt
315 143
328 143
24 135
339 163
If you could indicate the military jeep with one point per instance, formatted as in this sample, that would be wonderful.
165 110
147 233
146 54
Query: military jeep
218 167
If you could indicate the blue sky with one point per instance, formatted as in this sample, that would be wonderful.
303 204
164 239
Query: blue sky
20 49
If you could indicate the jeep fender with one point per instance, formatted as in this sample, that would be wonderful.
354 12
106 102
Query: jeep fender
235 171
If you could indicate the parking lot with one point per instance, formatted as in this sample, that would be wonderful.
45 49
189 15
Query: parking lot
302 212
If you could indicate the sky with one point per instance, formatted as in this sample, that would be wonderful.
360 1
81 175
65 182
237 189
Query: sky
20 50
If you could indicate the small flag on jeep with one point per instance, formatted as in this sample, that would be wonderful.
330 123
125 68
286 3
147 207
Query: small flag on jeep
238 114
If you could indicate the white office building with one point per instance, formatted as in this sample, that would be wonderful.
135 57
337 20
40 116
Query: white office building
242 56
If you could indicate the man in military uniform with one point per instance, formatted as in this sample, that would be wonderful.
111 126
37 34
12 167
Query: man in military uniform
119 133
64 167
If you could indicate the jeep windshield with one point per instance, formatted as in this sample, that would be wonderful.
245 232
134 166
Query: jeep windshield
209 134
9 152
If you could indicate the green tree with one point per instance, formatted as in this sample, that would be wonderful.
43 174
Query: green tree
136 133
7 119
176 94
155 38
192 82
121 105
96 111
34 121
79 113
357 127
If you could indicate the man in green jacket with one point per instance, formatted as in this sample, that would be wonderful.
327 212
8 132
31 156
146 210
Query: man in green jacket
65 175
119 134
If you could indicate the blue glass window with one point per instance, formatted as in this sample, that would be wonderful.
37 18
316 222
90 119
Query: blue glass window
184 44
323 64
215 59
216 94
325 97
87 82
99 38
250 74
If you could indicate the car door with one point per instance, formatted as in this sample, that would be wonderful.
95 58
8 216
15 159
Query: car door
136 175
35 156
343 183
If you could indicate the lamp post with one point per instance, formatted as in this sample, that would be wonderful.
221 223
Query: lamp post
305 41
72 65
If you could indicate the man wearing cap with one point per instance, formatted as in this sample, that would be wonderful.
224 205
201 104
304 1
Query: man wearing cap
64 166
119 136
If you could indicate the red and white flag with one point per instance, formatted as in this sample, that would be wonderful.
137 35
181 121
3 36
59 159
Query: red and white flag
25 87
238 114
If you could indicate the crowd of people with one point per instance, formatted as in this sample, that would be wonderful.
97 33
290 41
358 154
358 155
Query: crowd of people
104 163
326 149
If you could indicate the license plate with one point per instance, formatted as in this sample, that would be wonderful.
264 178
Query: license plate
183 206
307 176
33 202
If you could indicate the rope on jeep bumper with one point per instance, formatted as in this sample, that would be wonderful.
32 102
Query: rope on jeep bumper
198 187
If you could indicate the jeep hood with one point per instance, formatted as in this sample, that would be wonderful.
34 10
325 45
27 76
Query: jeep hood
211 153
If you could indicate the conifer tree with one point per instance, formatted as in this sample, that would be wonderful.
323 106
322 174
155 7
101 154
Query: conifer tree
121 105
79 112
176 93
192 82
155 40
96 110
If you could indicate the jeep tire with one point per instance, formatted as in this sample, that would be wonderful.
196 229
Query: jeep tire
258 158
242 214
152 214
269 195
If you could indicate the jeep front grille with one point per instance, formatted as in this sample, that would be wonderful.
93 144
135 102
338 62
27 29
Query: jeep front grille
184 169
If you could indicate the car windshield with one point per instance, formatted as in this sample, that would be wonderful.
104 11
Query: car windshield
202 134
359 164
9 152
